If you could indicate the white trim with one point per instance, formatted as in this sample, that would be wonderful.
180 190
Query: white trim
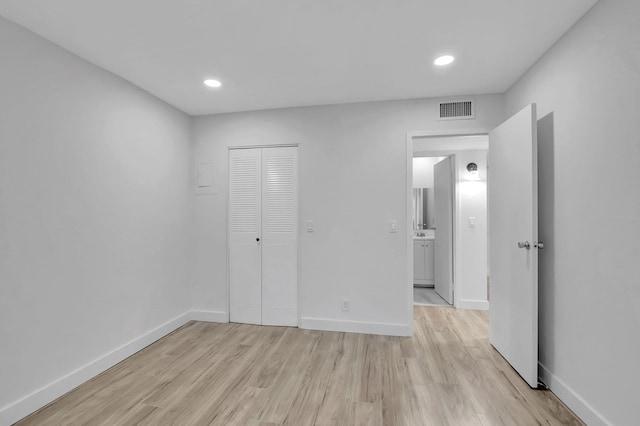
281 145
47 393
384 329
571 399
227 287
409 233
448 133
478 305
300 228
455 230
432 304
209 316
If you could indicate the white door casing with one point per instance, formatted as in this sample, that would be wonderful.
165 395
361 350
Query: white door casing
443 189
513 219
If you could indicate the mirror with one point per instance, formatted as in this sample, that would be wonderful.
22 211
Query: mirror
423 209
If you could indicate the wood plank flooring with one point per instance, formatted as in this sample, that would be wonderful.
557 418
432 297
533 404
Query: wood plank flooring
236 374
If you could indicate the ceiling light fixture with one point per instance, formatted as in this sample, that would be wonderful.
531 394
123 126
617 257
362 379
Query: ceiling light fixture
444 60
212 83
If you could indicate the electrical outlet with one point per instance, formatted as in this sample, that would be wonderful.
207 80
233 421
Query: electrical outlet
346 305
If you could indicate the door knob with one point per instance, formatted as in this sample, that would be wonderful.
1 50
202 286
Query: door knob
258 239
539 245
524 245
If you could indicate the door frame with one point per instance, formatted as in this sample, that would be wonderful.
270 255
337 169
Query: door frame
298 236
456 207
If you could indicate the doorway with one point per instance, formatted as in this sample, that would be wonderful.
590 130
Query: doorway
433 192
467 239
513 239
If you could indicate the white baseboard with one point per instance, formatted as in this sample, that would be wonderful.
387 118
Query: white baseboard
571 399
209 316
355 327
43 396
478 305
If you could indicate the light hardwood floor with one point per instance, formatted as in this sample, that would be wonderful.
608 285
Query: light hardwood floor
236 374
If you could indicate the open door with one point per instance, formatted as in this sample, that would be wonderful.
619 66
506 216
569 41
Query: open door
443 189
513 242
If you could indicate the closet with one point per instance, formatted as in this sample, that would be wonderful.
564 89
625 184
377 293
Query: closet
263 235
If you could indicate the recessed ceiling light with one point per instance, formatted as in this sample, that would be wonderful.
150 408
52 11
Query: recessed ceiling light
212 83
444 60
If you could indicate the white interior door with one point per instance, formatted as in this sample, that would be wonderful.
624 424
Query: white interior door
280 236
443 188
513 242
245 232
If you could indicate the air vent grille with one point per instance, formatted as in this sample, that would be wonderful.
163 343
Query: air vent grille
457 110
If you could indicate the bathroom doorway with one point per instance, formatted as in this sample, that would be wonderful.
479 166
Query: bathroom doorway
466 241
433 245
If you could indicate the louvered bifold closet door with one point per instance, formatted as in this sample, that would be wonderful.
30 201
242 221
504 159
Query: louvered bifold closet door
245 233
280 236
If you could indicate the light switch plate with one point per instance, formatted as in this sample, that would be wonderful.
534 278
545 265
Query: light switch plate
308 226
393 226
472 222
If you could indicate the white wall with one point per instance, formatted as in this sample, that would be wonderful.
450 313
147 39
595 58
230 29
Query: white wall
353 166
95 213
472 240
423 171
587 88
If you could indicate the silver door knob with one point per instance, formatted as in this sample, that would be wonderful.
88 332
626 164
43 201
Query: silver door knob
524 245
539 245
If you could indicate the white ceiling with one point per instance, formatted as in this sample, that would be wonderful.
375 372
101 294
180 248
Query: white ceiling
281 53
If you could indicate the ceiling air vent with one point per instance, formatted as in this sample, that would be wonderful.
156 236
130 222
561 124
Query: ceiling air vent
463 109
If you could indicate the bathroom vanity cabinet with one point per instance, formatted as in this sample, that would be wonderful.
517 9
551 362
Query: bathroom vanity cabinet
423 262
